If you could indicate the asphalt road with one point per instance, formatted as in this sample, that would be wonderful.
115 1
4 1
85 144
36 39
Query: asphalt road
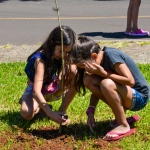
30 22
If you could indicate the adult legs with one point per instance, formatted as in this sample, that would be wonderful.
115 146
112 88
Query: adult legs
132 15
129 17
135 13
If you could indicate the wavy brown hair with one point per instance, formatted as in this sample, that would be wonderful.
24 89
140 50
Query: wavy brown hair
82 50
51 65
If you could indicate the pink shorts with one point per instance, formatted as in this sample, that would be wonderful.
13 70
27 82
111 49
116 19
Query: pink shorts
47 90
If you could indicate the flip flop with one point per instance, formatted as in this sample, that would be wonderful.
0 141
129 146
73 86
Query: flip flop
130 120
133 119
119 135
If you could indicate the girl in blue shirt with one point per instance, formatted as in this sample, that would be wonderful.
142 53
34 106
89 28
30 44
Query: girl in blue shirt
44 74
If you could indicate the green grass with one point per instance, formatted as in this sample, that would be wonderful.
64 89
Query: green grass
12 85
123 44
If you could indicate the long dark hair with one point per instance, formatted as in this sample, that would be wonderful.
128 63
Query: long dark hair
82 50
52 65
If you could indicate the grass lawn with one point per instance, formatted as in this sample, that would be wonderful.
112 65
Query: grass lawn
16 133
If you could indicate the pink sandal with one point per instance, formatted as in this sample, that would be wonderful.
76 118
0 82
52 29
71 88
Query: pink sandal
130 120
119 135
139 32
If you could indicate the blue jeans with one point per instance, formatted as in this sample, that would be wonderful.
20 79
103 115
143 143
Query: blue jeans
138 101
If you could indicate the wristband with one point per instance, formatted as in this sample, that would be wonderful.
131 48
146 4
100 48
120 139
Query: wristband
90 110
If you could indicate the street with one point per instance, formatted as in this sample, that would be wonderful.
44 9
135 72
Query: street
30 22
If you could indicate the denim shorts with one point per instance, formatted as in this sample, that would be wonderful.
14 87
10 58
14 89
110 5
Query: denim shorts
138 101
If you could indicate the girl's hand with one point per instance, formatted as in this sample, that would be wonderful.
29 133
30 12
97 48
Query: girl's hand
91 121
99 70
65 116
67 122
57 117
95 69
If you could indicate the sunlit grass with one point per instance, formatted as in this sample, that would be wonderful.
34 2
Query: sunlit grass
143 43
123 44
12 85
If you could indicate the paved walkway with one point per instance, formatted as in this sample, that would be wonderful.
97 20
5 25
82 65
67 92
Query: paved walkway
30 22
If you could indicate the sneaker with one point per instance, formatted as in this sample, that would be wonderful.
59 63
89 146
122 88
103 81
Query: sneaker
140 32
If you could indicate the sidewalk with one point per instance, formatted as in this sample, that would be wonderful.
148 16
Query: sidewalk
140 54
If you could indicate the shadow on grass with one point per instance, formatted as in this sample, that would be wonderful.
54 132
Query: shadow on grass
13 118
116 35
79 131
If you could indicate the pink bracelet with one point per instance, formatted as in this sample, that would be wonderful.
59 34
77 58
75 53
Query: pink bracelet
90 111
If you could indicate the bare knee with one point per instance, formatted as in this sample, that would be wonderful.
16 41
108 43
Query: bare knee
28 107
106 85
26 114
